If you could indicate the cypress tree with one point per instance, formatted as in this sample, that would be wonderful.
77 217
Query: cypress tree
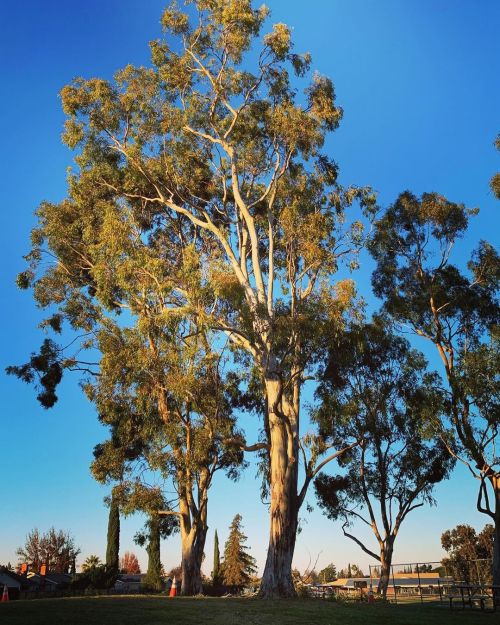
113 545
153 578
216 573
238 564
155 529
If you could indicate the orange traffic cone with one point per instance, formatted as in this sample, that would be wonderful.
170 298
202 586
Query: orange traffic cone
173 588
5 595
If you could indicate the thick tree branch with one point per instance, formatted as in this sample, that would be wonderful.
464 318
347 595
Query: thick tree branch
241 444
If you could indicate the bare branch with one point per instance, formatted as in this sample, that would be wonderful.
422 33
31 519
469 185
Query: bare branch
358 542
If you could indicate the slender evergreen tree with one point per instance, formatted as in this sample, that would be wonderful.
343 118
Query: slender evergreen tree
238 564
113 544
153 577
216 573
156 528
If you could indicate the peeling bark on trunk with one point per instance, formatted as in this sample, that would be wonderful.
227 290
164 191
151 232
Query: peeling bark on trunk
277 578
193 536
192 556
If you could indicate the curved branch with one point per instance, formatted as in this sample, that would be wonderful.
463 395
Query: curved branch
332 457
358 542
311 474
484 492
459 458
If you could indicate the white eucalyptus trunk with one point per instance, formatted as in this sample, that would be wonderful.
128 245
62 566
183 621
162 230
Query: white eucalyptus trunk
283 431
193 544
193 536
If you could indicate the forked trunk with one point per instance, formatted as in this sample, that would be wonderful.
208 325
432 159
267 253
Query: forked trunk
193 535
277 578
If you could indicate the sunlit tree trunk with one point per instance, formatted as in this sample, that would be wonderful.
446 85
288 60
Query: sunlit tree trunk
192 557
283 474
193 536
193 529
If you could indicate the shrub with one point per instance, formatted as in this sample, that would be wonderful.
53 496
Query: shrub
97 577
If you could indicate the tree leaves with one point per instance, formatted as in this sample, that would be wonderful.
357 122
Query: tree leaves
456 311
44 370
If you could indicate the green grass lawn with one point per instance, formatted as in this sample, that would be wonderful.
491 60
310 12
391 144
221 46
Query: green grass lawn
179 611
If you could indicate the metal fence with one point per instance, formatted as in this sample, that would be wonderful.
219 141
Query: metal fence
432 582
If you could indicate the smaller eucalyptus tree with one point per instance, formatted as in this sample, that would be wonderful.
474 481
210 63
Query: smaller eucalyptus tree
376 389
456 309
167 401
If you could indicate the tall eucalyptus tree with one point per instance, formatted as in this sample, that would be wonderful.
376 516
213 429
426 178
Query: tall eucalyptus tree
202 189
166 401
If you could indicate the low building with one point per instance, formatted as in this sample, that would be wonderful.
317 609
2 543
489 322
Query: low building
14 582
62 580
127 582
41 583
9 579
350 585
417 584
399 584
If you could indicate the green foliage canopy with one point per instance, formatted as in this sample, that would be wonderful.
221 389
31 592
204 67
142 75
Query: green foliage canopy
377 390
457 311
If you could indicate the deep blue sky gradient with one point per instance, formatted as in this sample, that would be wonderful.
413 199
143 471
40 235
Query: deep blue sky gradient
418 81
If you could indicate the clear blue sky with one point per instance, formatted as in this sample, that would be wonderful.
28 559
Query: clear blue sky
418 81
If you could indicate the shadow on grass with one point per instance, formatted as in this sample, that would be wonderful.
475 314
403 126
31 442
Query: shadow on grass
161 610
